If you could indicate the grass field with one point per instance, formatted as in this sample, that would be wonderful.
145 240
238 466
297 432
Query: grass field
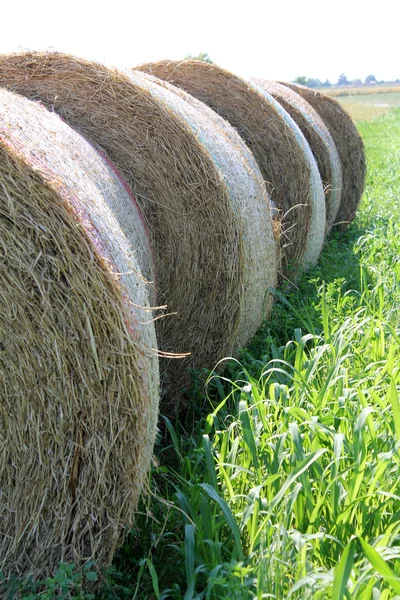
369 107
284 481
367 102
362 90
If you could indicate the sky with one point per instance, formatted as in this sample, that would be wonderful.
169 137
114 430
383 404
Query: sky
279 39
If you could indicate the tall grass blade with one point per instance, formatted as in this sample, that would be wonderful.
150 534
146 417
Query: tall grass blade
173 435
189 560
343 570
380 566
248 432
229 518
297 472
394 400
210 461
154 578
189 552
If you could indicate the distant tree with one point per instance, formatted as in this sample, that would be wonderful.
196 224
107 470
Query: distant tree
370 79
301 80
203 56
342 80
327 83
314 83
356 82
308 81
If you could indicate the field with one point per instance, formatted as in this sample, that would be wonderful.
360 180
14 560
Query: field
366 103
362 90
283 480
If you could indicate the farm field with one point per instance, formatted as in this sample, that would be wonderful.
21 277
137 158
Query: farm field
366 103
283 481
369 106
362 90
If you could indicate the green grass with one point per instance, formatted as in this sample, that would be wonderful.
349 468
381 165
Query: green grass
283 482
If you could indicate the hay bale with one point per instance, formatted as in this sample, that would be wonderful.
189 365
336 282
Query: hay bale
251 204
349 145
282 153
319 140
205 208
79 371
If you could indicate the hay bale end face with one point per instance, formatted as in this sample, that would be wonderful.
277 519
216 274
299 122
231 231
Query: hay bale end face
79 373
349 145
319 140
281 152
168 152
259 245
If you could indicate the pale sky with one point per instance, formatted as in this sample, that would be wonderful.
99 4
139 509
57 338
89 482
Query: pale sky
277 39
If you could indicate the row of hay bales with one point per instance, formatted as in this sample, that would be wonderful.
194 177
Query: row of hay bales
149 221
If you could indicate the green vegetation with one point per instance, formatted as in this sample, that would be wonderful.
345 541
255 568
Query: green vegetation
344 86
312 82
203 56
343 80
283 482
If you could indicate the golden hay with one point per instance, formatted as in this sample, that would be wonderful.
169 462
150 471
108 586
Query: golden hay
199 194
279 148
252 206
319 140
349 145
79 372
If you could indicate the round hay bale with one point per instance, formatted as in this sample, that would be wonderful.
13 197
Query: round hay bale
78 358
203 202
319 140
252 204
280 149
349 145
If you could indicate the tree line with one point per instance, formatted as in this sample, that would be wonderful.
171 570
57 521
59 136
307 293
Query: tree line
307 81
342 81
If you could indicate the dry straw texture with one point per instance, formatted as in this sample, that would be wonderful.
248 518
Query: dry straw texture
79 373
194 187
319 140
251 204
349 145
279 148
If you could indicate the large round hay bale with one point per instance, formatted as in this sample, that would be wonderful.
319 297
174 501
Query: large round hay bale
201 196
319 140
252 204
280 149
349 145
78 358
